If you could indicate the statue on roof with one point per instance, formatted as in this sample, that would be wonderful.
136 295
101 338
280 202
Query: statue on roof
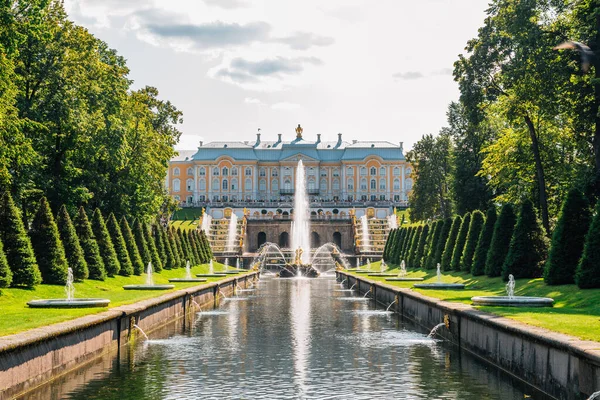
299 131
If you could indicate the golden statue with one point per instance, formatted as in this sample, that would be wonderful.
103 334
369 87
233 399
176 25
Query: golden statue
299 131
298 259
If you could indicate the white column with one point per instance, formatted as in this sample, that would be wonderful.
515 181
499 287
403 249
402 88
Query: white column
209 182
255 180
343 187
195 183
403 193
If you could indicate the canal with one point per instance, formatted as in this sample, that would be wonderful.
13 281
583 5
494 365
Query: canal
290 338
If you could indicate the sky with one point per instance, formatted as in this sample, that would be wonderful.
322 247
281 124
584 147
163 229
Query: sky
371 70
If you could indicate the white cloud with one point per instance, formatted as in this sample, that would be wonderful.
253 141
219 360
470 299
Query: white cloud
252 100
285 106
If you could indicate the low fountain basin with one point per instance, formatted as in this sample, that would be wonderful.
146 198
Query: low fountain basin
231 272
219 275
293 270
148 287
64 303
404 279
382 274
187 280
515 301
440 286
362 272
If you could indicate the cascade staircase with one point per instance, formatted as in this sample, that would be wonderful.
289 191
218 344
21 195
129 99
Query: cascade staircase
218 235
378 229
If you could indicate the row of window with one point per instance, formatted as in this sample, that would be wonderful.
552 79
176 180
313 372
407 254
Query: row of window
287 171
234 198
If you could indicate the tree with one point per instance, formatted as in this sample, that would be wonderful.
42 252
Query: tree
503 230
140 241
483 243
171 262
528 246
73 250
173 245
185 246
160 245
388 243
155 257
418 256
451 243
17 246
192 242
439 248
89 245
568 239
477 221
207 248
132 249
588 270
48 247
5 274
400 236
432 238
203 255
461 240
107 250
179 246
412 250
120 247
407 243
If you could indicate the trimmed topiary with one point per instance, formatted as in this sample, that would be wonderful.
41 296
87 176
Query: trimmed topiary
503 230
132 249
190 239
477 221
120 247
173 244
568 239
89 245
528 246
140 241
17 246
5 274
70 241
386 248
412 251
170 262
407 244
187 249
450 243
439 250
160 245
483 243
47 246
395 256
431 246
207 248
107 250
587 275
154 256
461 240
416 261
180 249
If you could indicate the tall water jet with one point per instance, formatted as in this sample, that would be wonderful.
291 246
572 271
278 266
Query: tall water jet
188 270
232 233
149 285
206 221
149 279
69 287
301 220
366 241
392 221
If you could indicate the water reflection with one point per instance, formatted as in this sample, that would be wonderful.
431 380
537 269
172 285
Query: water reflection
289 339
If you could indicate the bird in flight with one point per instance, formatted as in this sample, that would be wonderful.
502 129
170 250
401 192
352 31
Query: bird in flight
586 54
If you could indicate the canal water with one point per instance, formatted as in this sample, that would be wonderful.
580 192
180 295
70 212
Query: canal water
290 338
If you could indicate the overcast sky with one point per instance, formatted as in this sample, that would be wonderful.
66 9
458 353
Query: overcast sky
372 70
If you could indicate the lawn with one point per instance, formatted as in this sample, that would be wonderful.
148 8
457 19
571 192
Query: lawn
576 311
15 316
185 225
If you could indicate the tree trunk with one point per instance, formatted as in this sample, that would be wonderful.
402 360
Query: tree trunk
535 147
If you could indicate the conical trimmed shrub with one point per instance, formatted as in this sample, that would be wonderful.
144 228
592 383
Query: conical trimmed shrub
528 246
132 249
5 274
160 245
461 240
170 262
568 239
412 251
477 221
17 246
483 243
180 251
418 256
407 244
107 250
120 247
47 246
395 257
192 242
189 256
450 243
207 248
156 263
503 230
173 244
587 275
386 249
89 245
435 238
73 250
140 241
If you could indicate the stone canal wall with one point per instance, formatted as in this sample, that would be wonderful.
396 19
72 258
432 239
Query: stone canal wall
560 365
31 358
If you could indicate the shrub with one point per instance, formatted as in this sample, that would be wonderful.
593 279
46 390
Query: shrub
439 249
483 243
120 247
17 246
207 248
107 250
450 243
433 241
588 270
461 240
132 249
416 261
407 243
73 250
47 246
528 246
192 241
170 262
500 243
160 244
154 256
187 249
5 274
389 240
414 243
89 245
477 220
399 241
173 242
568 239
140 241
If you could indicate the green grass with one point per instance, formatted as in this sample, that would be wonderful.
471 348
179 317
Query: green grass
16 316
187 213
185 225
576 312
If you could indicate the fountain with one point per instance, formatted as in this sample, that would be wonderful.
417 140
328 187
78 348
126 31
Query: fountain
232 233
365 240
206 222
439 285
188 275
392 221
149 285
510 300
381 272
211 272
329 258
226 269
70 301
401 277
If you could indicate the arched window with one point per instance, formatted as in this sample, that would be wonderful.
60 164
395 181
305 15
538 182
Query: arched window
262 185
396 184
323 172
396 171
215 184
287 184
248 185
234 171
312 185
363 171
373 184
336 184
176 171
323 184
274 184
176 185
382 171
190 171
262 238
315 240
350 171
225 184
225 171
409 184
248 171
408 170
382 184
274 172
216 171
337 239
350 184
202 171
202 184
373 171
287 171
189 184
284 240
234 184
262 172
336 172
363 184
311 171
